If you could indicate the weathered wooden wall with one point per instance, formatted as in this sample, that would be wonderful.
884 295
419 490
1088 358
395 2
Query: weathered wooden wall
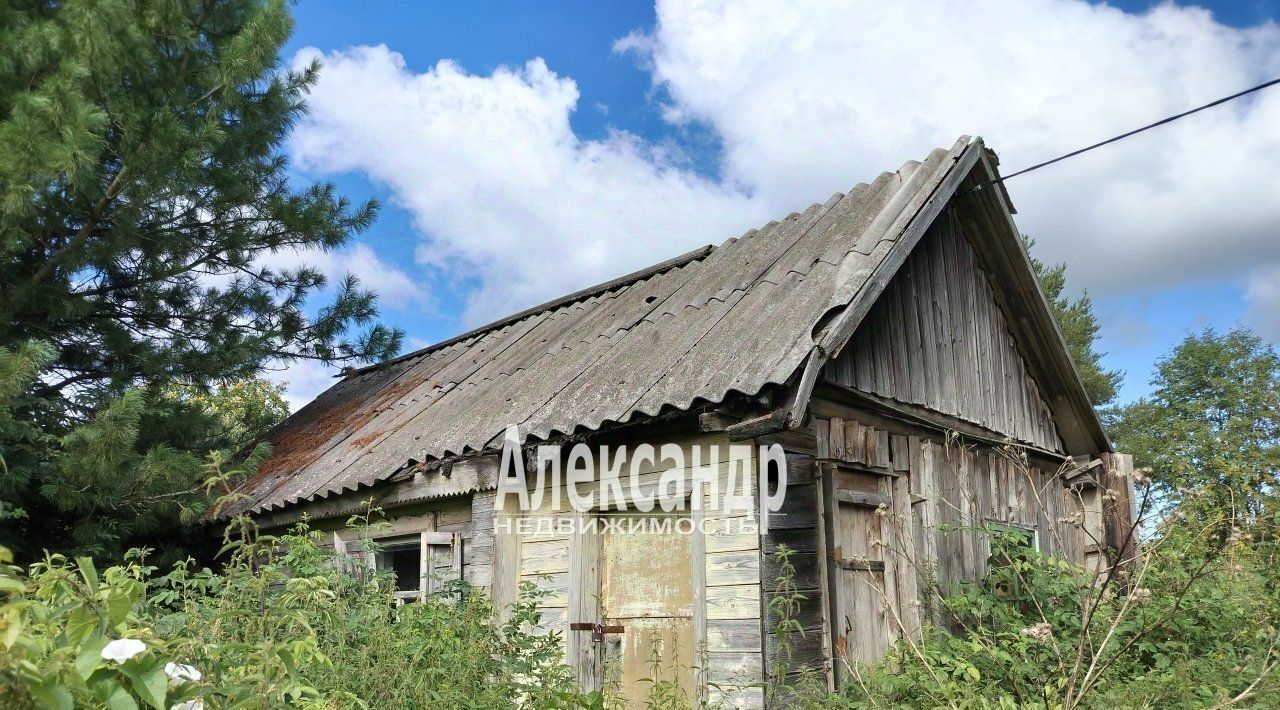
936 497
797 527
937 338
734 608
930 503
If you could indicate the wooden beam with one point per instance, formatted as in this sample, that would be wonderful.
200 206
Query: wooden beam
716 421
861 565
870 500
891 416
770 423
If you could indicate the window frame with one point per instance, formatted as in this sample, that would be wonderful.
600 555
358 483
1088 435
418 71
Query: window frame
432 546
996 527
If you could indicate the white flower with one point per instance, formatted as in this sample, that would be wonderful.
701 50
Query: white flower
122 650
1041 632
1140 596
196 704
181 673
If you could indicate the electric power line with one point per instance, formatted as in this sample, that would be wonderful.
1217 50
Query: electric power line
1135 131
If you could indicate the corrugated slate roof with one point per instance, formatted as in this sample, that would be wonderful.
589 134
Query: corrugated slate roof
733 318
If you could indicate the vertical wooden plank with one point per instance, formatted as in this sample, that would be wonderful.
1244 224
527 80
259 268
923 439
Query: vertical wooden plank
457 550
855 445
984 364
862 371
900 453
947 482
902 358
942 328
905 559
479 542
836 592
1119 509
822 438
976 354
883 368
836 438
584 595
923 299
427 560
1012 512
698 549
1045 512
956 317
506 555
1000 358
912 352
883 456
969 535
1020 391
980 473
923 471
892 611
825 581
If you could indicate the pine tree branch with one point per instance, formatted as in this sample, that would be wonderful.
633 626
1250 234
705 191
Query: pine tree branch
91 221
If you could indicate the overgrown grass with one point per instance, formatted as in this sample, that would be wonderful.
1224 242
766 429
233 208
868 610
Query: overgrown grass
281 625
1192 624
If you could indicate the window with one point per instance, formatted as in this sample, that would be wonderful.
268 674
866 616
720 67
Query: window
1009 546
1019 536
422 564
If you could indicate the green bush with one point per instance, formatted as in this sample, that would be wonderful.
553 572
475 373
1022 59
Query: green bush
1191 626
281 625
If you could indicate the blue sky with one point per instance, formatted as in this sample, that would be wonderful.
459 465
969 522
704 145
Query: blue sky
705 122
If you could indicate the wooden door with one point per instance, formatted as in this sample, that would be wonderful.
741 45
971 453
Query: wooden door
861 569
647 589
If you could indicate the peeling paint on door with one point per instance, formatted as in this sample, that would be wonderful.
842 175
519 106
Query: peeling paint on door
647 588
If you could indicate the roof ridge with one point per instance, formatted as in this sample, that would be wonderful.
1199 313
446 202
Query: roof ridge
603 287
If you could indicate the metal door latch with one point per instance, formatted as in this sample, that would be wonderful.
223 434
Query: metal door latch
597 630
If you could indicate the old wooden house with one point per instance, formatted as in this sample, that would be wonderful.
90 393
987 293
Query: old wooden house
892 339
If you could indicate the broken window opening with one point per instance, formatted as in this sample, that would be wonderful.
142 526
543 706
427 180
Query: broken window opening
422 564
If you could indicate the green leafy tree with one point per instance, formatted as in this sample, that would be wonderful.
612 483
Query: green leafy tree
1080 328
1211 428
140 183
241 411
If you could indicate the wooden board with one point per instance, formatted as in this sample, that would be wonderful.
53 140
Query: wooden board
938 339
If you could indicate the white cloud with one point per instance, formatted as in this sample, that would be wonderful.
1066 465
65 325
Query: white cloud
498 182
810 96
304 380
396 289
